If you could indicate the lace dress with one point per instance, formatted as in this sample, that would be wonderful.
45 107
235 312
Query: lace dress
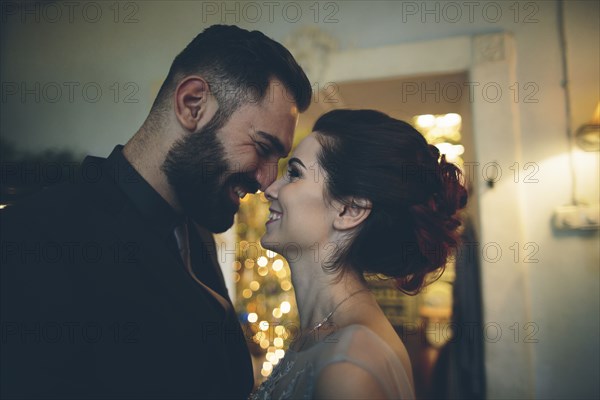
295 376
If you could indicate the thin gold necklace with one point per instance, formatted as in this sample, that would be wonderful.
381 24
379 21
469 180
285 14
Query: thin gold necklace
326 319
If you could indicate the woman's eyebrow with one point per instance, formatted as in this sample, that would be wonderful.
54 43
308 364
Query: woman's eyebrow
296 160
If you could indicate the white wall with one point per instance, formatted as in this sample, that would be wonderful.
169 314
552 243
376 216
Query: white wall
560 293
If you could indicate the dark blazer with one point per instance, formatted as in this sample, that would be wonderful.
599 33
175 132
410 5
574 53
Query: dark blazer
96 302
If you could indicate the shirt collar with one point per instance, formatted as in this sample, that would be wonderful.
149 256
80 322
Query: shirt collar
156 210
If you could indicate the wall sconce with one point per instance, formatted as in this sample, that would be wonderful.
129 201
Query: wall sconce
587 136
580 216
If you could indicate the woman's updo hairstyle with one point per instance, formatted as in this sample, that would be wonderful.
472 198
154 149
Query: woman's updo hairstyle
413 191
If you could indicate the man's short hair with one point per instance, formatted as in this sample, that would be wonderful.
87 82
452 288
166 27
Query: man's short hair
238 66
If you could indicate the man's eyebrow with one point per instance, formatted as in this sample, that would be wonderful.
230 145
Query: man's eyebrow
296 160
275 142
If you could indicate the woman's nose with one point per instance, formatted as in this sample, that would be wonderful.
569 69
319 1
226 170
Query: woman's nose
272 190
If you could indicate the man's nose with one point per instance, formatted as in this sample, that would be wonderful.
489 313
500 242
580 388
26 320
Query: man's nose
267 175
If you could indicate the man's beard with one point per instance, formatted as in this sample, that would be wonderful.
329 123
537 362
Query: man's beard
200 176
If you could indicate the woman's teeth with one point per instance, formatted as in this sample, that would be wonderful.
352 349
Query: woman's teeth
274 216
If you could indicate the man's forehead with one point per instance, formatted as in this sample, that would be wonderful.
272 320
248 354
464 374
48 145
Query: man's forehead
275 118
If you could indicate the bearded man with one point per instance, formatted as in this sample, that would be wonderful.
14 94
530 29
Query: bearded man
110 284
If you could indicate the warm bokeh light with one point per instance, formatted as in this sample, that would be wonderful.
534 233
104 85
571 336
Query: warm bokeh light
452 151
449 120
285 307
425 121
266 369
264 343
260 336
439 128
262 261
279 330
271 254
277 265
443 131
263 325
262 286
282 273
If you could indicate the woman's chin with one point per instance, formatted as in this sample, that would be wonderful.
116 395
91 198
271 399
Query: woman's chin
269 244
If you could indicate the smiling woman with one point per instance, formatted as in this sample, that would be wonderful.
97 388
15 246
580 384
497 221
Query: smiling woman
299 213
363 193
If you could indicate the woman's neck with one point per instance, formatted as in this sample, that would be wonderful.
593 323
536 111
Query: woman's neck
319 293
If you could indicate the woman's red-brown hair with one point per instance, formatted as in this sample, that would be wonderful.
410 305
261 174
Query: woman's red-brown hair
414 194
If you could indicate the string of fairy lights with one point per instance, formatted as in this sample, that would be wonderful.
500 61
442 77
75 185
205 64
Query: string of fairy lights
265 297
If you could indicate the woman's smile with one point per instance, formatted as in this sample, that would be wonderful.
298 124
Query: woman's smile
273 216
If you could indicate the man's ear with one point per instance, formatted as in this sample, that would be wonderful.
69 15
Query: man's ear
191 102
351 215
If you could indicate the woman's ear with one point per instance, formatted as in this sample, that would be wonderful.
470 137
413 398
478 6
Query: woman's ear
349 216
191 102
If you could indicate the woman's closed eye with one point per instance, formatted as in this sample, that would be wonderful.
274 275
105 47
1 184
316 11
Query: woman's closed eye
293 173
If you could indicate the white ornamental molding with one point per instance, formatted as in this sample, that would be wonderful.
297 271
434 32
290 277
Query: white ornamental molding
489 48
312 47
